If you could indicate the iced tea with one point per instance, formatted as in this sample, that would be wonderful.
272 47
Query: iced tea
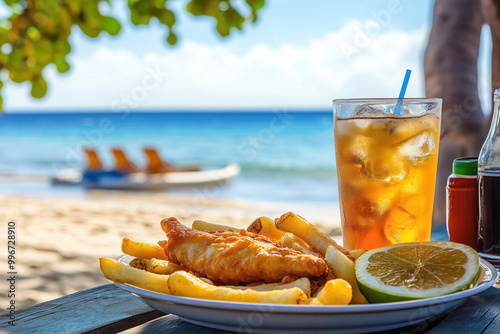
386 168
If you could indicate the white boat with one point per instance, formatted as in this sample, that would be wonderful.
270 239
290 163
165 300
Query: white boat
142 181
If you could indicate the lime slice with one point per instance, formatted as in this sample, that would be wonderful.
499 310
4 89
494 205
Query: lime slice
416 270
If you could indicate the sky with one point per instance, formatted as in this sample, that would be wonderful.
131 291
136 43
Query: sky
299 55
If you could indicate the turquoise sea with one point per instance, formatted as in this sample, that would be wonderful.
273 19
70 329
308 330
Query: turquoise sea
284 156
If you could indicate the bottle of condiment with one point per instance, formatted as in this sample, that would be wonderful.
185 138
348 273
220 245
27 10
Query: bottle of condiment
489 186
462 202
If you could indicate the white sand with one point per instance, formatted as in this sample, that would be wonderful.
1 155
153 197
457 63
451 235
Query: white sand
60 239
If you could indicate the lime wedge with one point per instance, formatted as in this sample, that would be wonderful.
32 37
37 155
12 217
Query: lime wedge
416 270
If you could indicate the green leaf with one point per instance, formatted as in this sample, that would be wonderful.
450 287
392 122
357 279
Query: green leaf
111 25
33 33
16 59
74 7
92 16
17 72
138 18
43 51
61 64
91 32
66 23
198 7
172 38
143 6
17 76
256 4
160 3
3 59
39 87
167 18
222 29
233 18
4 35
62 47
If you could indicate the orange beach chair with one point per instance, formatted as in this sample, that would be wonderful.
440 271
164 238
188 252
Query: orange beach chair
122 163
156 165
93 161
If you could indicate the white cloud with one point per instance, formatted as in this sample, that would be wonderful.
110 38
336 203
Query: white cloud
202 76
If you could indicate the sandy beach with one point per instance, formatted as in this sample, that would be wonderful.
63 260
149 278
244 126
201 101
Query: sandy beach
60 239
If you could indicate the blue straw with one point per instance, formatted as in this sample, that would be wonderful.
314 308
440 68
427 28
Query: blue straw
397 110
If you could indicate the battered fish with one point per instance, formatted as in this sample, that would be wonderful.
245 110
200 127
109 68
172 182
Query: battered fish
231 257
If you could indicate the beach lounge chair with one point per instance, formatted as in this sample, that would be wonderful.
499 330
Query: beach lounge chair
93 161
122 163
156 165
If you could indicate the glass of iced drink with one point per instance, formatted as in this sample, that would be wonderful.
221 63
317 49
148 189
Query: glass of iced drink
386 157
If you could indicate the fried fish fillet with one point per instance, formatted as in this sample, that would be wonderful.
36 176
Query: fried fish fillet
231 257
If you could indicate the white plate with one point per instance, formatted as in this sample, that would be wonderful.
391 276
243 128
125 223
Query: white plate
270 318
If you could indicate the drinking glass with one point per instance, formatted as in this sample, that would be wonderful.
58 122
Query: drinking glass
386 156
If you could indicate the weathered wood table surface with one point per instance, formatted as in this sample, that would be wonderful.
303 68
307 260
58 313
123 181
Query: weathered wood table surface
109 309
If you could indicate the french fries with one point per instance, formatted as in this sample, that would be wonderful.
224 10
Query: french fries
266 227
356 253
120 273
290 222
156 266
335 292
302 283
290 240
343 267
184 284
143 250
314 301
206 280
201 225
151 269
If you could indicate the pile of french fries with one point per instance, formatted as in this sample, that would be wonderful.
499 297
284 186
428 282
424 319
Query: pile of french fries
151 269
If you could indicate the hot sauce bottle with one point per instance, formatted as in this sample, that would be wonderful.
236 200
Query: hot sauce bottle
462 202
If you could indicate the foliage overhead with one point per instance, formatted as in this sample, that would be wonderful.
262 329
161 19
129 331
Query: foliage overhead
36 33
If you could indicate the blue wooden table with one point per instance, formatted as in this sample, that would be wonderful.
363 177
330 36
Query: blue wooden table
109 309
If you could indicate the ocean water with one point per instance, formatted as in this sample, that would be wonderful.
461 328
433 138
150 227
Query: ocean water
284 156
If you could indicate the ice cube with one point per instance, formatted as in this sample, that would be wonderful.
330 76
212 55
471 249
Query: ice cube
431 106
366 110
418 148
404 128
389 169
352 174
413 182
405 112
400 226
401 222
350 129
368 207
351 156
373 203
